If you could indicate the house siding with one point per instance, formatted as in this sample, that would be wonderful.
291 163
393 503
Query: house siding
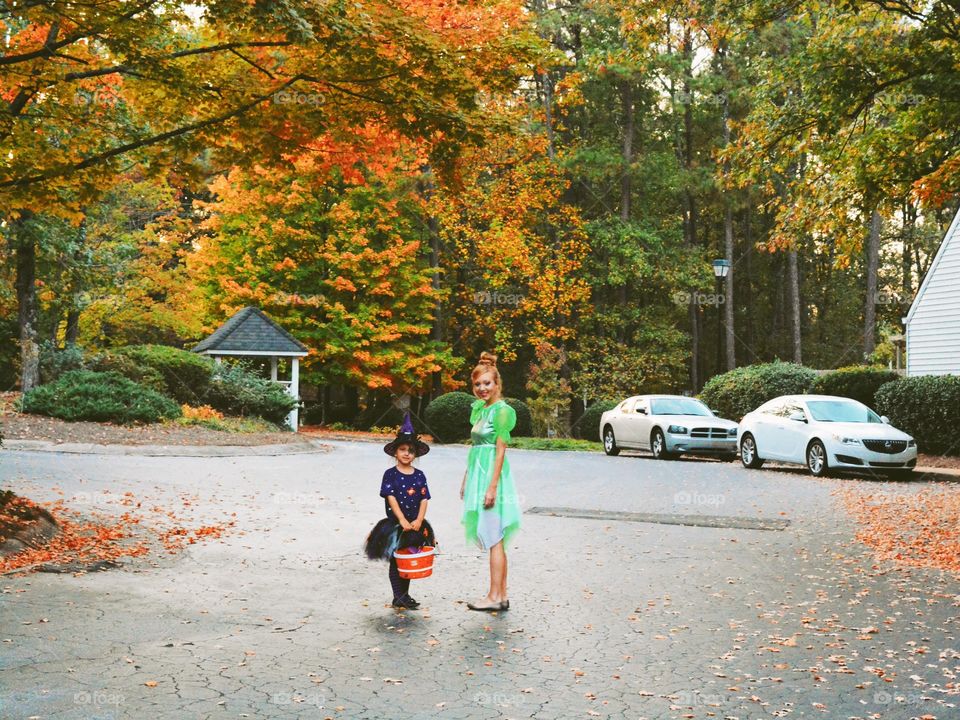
933 326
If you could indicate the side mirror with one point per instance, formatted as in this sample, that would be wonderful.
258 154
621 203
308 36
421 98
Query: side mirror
642 411
884 419
798 417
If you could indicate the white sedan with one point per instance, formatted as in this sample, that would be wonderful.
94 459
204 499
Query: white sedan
667 426
825 433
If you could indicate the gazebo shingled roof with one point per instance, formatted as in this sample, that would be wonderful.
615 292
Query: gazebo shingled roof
250 330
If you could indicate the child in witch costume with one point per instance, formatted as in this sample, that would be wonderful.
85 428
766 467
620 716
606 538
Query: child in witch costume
405 493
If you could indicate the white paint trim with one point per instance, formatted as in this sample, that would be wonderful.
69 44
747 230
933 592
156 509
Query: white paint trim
294 389
930 271
253 352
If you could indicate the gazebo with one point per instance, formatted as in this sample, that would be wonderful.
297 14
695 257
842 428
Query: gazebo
251 332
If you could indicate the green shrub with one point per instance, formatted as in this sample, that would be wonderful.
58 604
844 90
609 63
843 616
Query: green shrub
733 394
587 426
859 382
104 397
447 417
237 391
145 375
524 426
55 361
927 407
186 375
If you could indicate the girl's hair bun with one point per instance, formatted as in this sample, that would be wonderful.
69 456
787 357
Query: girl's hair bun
487 358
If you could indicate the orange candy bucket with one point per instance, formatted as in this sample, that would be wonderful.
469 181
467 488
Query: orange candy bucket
415 563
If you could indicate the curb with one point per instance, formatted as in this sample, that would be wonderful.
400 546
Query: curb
305 448
925 470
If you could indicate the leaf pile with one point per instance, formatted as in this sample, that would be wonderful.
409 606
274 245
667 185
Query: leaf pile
920 529
97 536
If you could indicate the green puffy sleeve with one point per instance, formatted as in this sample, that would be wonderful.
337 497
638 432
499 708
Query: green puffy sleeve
504 420
475 410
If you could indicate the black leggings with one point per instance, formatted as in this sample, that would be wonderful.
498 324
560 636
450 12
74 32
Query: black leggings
401 586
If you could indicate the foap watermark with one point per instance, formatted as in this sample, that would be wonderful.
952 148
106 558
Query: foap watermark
681 297
99 497
882 697
497 698
497 297
95 97
294 97
694 698
900 99
300 499
687 498
888 297
295 698
689 98
97 697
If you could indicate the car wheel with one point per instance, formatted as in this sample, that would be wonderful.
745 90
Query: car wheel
817 459
658 445
748 453
610 442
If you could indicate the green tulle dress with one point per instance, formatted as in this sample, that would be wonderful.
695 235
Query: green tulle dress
487 527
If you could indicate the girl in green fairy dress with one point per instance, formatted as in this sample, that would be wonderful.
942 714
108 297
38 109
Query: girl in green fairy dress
491 509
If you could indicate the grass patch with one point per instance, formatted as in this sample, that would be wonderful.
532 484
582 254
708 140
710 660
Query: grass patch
530 443
231 424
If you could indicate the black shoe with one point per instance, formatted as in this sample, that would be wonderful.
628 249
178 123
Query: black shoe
405 603
411 603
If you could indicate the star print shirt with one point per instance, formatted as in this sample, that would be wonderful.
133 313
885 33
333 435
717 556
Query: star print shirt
409 490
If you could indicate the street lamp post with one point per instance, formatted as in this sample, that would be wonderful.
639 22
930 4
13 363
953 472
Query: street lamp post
720 269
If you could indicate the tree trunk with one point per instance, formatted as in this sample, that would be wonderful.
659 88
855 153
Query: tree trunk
26 286
793 283
872 265
690 221
748 266
73 326
626 95
909 239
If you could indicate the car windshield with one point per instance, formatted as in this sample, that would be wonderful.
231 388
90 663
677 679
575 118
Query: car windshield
841 411
679 406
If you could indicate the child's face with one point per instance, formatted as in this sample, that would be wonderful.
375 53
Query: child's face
484 386
405 454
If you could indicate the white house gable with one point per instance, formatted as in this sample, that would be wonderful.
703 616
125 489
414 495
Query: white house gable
933 323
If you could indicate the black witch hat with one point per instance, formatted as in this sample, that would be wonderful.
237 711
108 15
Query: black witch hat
406 436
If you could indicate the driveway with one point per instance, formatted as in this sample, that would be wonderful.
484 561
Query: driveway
639 589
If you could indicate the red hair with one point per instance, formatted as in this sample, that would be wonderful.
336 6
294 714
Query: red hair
486 364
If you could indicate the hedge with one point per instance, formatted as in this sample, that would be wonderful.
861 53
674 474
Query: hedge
186 375
524 426
447 417
145 375
103 397
587 427
236 391
858 382
733 394
927 407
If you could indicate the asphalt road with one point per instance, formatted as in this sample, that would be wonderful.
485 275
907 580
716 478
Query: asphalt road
639 589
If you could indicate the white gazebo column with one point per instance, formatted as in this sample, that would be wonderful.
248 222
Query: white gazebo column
294 417
273 368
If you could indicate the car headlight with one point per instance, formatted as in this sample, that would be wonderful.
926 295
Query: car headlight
677 430
911 443
732 432
846 440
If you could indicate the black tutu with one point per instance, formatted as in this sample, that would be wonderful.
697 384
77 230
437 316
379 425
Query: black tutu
387 536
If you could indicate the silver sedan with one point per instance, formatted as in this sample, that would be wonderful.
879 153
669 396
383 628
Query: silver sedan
667 426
